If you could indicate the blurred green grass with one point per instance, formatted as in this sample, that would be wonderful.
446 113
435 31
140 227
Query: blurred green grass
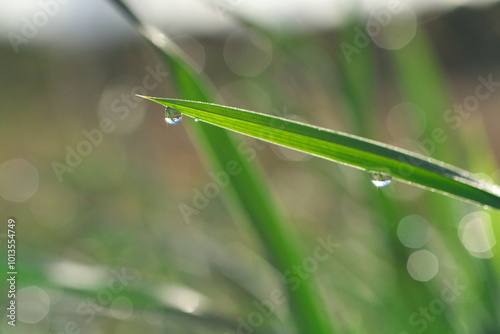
119 208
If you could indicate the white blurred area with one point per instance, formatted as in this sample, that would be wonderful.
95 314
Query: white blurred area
96 22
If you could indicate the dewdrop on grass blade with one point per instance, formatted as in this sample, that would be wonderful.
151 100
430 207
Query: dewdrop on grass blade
380 179
172 116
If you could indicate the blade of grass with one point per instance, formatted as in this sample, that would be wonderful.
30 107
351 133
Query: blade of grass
344 148
357 78
142 298
423 83
253 199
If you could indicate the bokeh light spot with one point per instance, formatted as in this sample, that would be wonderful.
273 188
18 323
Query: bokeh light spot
422 265
392 25
18 180
121 307
476 234
33 304
414 231
247 52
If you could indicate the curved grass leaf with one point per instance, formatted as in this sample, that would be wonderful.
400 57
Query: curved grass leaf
250 196
343 148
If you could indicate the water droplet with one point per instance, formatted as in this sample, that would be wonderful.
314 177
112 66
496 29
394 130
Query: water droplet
197 119
380 179
172 116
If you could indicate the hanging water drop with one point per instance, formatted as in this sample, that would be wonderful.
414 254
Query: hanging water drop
380 179
172 116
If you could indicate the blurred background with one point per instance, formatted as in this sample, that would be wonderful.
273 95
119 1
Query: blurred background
121 225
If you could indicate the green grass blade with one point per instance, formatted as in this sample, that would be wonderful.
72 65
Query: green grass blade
344 148
250 194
